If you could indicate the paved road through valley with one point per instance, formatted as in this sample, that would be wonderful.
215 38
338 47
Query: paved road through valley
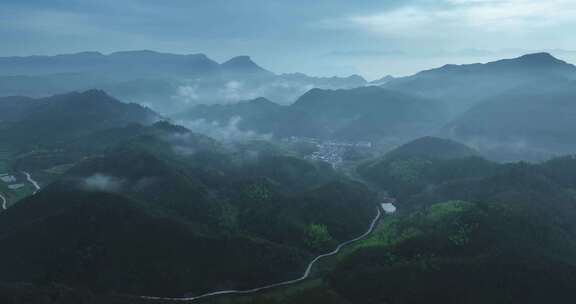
302 278
4 202
32 181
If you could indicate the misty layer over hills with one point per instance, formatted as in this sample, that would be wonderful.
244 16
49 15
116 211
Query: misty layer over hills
509 109
165 82
462 86
167 177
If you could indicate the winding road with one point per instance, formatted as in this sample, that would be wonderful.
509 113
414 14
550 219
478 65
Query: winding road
302 278
32 181
4 202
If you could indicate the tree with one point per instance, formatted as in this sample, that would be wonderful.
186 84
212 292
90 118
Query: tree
317 236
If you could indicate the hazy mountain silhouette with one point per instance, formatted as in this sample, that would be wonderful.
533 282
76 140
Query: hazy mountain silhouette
536 120
68 116
432 148
367 113
462 86
115 65
243 65
166 82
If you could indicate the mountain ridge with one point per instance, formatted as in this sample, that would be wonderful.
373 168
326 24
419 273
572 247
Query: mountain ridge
461 87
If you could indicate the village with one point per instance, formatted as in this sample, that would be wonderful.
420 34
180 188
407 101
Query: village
331 151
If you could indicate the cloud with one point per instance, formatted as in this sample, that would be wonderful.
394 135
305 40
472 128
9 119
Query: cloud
102 182
420 20
182 143
233 91
278 90
366 53
282 91
228 132
273 31
187 94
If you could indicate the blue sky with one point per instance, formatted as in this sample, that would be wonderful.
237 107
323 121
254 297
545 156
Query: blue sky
319 37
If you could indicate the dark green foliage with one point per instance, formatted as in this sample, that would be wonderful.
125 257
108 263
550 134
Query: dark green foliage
116 245
54 294
52 120
404 177
317 236
420 164
292 173
459 252
504 234
161 211
432 148
253 113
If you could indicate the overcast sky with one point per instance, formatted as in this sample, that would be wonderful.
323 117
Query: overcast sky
319 37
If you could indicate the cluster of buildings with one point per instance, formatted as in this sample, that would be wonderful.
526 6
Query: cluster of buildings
330 151
331 154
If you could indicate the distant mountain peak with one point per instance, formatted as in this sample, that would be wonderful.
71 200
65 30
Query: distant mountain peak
95 93
88 97
241 59
356 77
242 64
541 59
261 100
539 56
135 53
535 60
383 80
432 147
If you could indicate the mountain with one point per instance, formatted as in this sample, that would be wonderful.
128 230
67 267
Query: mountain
243 65
415 164
15 107
170 212
167 83
434 148
475 232
249 110
119 245
495 230
120 64
349 82
461 252
68 116
463 86
367 113
382 81
530 122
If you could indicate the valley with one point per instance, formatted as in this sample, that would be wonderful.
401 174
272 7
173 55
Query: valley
288 152
304 277
388 193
